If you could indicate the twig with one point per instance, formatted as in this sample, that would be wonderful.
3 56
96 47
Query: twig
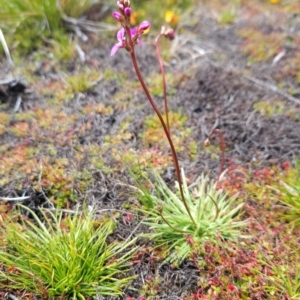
90 26
14 199
5 48
274 89
136 228
12 297
9 80
80 53
18 103
222 148
67 211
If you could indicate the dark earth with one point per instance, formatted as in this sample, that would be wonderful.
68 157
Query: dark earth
215 83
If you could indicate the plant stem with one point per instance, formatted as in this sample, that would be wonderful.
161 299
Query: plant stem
162 69
222 148
173 151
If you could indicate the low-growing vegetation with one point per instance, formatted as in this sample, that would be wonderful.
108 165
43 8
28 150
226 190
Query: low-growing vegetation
95 135
63 257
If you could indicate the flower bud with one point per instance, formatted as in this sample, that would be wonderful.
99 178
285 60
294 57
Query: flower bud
144 26
127 11
206 143
117 16
120 6
170 34
126 3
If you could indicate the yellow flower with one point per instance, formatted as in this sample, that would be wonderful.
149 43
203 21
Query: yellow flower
171 17
275 1
134 18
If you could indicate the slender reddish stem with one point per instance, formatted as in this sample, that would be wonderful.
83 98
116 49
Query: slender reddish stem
173 151
222 148
162 69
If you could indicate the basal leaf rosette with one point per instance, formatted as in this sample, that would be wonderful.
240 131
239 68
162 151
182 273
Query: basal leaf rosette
215 214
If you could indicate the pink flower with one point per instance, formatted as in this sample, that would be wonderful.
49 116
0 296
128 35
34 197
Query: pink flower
117 15
144 26
135 35
120 44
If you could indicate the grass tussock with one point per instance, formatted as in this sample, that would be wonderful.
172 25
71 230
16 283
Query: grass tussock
63 257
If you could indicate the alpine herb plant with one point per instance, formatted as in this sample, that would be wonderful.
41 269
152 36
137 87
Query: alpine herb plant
177 218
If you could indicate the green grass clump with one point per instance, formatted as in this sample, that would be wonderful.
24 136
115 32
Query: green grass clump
75 8
289 195
63 257
213 211
285 280
83 81
28 22
282 267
